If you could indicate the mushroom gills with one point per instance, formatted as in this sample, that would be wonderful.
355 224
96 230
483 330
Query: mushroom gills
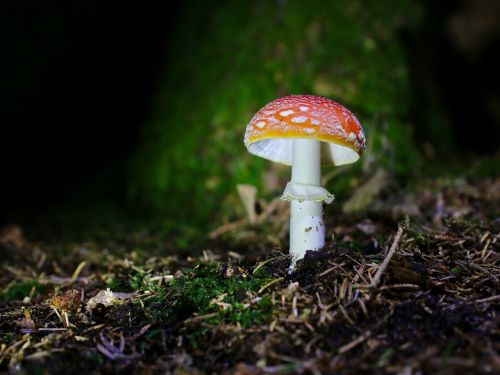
279 150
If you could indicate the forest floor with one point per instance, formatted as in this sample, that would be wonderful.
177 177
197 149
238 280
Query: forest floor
411 287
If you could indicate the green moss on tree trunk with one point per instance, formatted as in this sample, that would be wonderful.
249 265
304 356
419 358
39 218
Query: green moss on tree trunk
226 62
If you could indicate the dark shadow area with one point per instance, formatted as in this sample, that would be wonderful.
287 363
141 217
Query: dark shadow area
453 59
77 79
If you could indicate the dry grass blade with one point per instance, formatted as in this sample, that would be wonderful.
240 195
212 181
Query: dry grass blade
200 318
270 283
262 264
77 271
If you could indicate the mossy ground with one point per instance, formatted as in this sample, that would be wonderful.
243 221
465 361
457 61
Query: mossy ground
435 309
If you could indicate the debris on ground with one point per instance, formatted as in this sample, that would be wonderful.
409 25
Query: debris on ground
411 287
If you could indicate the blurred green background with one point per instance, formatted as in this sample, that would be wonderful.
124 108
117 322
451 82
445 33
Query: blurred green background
147 104
231 60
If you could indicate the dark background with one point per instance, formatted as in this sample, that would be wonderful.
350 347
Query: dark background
75 91
78 78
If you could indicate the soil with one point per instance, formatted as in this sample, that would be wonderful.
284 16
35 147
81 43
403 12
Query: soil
434 308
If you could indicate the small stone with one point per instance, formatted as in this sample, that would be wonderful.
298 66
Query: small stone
104 297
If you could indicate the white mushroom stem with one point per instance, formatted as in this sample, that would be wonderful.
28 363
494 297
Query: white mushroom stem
307 231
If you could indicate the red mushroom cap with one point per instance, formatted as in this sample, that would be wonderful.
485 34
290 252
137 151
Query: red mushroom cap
271 131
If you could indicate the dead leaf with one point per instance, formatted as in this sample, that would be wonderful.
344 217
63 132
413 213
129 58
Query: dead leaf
25 323
248 194
69 301
104 297
12 234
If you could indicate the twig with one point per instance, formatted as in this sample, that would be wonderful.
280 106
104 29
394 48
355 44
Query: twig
490 274
355 342
381 269
398 286
270 209
346 315
226 228
331 269
51 329
487 299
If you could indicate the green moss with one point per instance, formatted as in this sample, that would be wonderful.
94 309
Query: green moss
449 350
226 62
138 281
17 290
194 292
120 285
236 314
354 246
385 357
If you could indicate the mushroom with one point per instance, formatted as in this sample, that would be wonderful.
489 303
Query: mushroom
304 131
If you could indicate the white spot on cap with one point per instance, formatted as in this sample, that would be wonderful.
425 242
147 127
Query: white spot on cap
286 113
261 124
315 122
352 136
299 119
304 108
310 130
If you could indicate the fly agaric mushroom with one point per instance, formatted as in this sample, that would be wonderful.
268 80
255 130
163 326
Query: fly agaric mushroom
303 131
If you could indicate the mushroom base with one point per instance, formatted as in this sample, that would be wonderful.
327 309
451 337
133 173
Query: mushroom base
306 219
